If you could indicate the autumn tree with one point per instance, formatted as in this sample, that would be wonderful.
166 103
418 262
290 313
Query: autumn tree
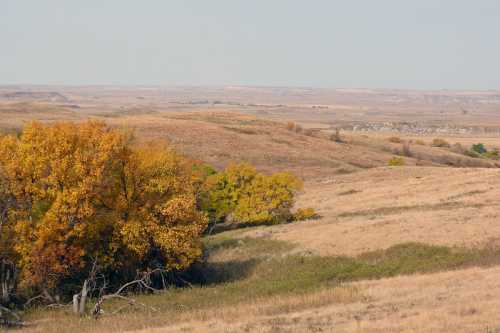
157 204
84 194
242 194
8 271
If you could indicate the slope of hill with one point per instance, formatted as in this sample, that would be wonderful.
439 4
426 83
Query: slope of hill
378 208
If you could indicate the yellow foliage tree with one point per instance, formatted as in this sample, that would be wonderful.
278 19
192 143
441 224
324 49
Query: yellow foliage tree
84 194
158 205
247 196
7 255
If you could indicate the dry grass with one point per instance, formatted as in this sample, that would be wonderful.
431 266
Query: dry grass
218 318
259 280
459 301
224 134
387 206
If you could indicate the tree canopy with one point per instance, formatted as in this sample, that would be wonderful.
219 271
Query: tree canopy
244 195
74 194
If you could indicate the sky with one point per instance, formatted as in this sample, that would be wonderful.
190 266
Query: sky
406 44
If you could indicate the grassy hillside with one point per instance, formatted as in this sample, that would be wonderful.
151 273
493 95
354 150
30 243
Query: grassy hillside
264 281
221 137
381 207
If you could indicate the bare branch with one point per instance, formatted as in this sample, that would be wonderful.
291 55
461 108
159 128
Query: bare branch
5 321
143 282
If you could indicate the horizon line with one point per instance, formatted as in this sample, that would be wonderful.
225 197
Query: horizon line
224 86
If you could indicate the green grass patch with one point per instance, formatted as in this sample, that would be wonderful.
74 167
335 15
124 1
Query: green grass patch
263 268
245 246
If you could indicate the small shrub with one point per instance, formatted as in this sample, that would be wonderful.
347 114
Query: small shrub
241 130
471 153
396 161
406 150
479 148
304 214
420 142
459 149
290 126
309 132
293 127
349 192
335 137
395 139
441 143
493 154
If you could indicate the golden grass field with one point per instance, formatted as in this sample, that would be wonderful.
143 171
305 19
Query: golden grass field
440 197
381 207
459 301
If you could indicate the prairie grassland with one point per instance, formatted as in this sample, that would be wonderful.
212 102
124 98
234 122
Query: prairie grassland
378 208
397 249
223 135
458 301
256 284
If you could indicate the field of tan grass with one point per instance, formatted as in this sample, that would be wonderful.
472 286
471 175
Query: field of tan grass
381 207
439 197
460 301
456 301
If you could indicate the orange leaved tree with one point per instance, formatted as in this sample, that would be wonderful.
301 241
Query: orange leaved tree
80 194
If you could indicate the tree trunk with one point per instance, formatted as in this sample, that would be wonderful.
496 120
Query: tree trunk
83 298
76 298
80 300
7 280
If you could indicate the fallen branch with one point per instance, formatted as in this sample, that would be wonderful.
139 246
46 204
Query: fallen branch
142 282
43 296
4 321
97 311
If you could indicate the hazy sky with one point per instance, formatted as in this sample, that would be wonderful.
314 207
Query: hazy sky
319 43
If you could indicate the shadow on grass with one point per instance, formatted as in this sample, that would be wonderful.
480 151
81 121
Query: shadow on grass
214 273
222 227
